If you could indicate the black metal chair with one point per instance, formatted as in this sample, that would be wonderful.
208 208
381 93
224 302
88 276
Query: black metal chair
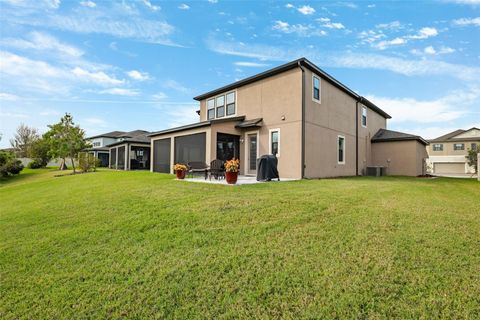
217 169
197 167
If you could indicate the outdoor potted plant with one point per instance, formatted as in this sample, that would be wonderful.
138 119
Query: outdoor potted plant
231 170
180 170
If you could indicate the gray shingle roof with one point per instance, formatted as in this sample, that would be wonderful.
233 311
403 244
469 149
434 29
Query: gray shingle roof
451 136
384 135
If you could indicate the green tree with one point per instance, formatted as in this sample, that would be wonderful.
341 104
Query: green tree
40 151
8 164
472 158
23 139
66 139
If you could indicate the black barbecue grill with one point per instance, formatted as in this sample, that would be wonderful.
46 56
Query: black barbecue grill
267 168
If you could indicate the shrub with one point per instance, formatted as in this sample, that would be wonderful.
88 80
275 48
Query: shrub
87 162
35 164
9 165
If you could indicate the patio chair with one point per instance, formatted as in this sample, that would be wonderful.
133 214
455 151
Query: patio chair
197 167
217 169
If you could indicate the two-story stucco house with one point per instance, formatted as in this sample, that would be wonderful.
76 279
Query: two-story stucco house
447 153
316 126
100 144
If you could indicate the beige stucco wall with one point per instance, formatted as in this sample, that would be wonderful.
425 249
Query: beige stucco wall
325 121
448 148
272 99
403 158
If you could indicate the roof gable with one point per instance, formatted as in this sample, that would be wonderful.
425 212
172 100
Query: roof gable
460 134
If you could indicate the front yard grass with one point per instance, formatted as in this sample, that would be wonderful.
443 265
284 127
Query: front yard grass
141 245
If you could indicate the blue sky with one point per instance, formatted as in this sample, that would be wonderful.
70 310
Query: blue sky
129 65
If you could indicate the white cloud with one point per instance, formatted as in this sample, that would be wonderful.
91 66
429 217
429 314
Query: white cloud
467 2
397 65
251 64
96 122
394 25
382 45
299 29
44 42
213 1
137 75
430 50
121 23
98 77
159 96
89 4
183 6
448 108
121 92
306 10
151 6
327 23
8 96
289 6
172 84
55 4
425 33
467 22
371 6
6 115
49 113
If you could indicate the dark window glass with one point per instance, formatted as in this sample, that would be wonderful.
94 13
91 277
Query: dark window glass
364 116
458 146
230 109
121 158
113 158
316 88
341 147
211 114
220 111
228 146
474 146
253 152
274 142
437 147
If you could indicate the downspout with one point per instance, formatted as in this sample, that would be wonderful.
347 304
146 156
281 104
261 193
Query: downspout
356 137
303 119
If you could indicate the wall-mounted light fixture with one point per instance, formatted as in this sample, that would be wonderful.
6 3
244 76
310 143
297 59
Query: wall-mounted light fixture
283 118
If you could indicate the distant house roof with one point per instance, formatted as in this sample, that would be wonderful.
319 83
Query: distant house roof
450 137
291 65
384 135
136 136
113 134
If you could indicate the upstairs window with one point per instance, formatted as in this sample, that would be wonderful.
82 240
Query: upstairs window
211 109
364 117
275 142
341 149
458 146
316 89
437 147
220 102
474 146
230 103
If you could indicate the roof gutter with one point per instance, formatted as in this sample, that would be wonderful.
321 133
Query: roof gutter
303 119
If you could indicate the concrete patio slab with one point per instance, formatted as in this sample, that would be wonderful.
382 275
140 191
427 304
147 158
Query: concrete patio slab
240 181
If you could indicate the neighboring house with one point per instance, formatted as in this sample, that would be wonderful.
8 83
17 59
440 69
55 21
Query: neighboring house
130 151
316 126
447 153
401 153
99 145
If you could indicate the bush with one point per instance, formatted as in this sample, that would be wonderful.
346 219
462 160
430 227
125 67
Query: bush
9 165
87 162
35 164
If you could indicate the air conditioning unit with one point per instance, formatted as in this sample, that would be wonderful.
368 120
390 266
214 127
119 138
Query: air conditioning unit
376 171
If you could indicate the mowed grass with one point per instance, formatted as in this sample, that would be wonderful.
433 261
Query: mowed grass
142 245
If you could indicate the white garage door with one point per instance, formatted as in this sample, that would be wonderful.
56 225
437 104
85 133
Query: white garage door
449 168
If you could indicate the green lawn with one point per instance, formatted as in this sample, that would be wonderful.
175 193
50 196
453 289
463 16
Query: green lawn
142 245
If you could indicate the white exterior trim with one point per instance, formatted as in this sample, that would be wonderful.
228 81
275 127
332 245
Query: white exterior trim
247 149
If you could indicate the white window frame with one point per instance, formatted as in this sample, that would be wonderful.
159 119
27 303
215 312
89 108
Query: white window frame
224 105
270 141
344 149
366 116
440 147
319 100
214 107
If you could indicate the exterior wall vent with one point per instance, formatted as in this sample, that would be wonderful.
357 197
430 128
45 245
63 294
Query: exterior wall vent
376 171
